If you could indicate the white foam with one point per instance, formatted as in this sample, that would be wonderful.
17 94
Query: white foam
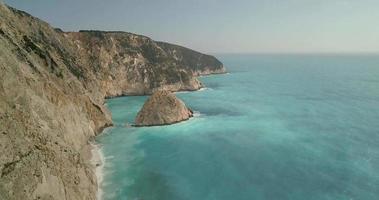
199 90
181 92
97 160
196 114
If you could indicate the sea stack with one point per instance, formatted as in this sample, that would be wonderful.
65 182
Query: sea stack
162 108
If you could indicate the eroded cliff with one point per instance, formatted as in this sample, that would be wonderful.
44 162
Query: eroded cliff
130 64
52 91
46 114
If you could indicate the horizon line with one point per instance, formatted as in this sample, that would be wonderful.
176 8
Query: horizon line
296 53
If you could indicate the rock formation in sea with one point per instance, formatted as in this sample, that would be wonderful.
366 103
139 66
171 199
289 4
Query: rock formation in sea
162 108
53 86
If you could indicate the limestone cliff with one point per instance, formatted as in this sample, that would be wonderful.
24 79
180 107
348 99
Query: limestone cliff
129 64
46 114
52 91
193 61
162 108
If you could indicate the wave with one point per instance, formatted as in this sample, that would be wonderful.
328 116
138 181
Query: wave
196 114
203 89
182 92
97 161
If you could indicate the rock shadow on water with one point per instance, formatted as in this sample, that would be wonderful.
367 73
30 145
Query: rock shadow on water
150 185
213 85
216 111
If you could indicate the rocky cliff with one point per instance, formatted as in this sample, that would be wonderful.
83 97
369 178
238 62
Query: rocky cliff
193 61
52 91
162 108
47 115
130 64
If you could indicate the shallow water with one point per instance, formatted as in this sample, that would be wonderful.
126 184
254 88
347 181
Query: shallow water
276 127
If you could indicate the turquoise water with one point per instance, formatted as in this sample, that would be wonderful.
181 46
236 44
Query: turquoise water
275 127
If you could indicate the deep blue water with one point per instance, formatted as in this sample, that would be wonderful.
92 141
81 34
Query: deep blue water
289 127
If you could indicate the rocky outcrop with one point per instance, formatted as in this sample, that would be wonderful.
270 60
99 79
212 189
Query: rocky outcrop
162 108
52 90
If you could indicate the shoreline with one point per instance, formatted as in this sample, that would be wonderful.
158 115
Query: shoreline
97 161
97 158
200 75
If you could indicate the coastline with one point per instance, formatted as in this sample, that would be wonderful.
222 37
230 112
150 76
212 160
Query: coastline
97 161
96 156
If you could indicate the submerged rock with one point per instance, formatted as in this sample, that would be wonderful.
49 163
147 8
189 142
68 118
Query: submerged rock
162 108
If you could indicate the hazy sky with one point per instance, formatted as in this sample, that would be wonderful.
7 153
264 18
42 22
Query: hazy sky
219 26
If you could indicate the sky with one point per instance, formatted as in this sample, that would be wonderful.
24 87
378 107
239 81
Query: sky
226 26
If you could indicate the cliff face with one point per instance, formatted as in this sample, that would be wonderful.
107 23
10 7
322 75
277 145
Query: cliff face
193 61
53 86
131 64
46 114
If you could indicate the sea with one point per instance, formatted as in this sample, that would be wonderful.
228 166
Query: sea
275 127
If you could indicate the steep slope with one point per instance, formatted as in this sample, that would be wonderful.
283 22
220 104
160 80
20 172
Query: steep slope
127 63
52 91
193 61
47 116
